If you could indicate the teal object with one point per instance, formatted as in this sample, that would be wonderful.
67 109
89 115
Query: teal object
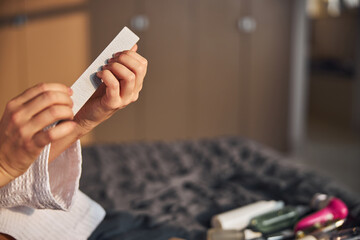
278 220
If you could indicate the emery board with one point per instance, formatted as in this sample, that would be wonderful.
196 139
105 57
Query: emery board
88 82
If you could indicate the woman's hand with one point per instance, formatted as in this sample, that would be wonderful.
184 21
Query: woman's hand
122 78
21 127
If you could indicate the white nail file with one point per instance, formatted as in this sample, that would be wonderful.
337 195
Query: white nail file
88 82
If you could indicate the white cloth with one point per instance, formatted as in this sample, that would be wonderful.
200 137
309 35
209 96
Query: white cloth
45 203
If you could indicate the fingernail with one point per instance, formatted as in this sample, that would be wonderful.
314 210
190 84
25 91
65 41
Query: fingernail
71 91
117 54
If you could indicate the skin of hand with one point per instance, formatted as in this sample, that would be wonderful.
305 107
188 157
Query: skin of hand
123 78
21 128
21 135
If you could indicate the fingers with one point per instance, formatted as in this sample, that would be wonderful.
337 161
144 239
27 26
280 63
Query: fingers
48 116
43 101
26 132
38 107
36 90
112 88
42 138
124 75
135 63
134 48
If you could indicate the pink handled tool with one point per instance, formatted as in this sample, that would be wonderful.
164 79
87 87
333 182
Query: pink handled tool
335 210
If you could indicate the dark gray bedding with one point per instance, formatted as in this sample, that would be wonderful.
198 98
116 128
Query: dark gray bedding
162 189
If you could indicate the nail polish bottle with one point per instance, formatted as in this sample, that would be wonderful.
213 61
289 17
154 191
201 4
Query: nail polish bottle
278 220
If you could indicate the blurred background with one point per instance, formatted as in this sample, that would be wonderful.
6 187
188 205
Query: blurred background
284 73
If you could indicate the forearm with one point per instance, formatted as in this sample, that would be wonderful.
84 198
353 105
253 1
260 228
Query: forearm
59 146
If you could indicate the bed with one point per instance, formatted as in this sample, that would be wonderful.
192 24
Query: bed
158 190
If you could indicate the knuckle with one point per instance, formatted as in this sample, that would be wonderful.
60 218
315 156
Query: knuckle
42 87
112 65
22 134
130 77
70 113
15 118
10 106
122 57
135 97
106 73
50 136
28 145
49 96
141 68
54 112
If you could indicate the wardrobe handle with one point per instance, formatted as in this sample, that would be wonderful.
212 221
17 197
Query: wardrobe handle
140 23
247 24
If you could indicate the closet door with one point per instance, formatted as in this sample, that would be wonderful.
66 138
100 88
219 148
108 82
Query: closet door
43 41
170 89
10 67
269 72
11 52
217 75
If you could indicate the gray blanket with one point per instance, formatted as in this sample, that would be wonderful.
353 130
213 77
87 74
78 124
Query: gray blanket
159 190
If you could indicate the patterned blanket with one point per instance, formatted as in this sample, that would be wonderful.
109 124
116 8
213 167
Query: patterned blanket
158 190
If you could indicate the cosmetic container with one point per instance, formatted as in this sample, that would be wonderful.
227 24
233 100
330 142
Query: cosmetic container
320 201
239 218
220 234
348 234
335 210
317 231
278 220
283 235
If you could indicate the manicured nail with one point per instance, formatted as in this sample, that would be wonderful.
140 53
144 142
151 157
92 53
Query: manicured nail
117 54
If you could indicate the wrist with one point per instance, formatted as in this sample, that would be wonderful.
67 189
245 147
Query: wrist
5 175
83 127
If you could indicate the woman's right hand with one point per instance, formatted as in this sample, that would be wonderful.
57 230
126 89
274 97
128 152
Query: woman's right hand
22 137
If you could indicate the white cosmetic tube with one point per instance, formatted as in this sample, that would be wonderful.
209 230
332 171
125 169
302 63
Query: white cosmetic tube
239 218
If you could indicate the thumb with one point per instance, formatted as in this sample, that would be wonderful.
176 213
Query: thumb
134 48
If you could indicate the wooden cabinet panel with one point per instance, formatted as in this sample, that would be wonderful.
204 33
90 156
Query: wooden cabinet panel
206 77
12 75
11 7
169 88
270 72
48 46
216 74
57 50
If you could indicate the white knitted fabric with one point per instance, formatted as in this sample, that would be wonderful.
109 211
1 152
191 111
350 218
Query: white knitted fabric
45 203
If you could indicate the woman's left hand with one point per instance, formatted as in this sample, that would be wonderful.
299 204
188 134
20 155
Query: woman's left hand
122 78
